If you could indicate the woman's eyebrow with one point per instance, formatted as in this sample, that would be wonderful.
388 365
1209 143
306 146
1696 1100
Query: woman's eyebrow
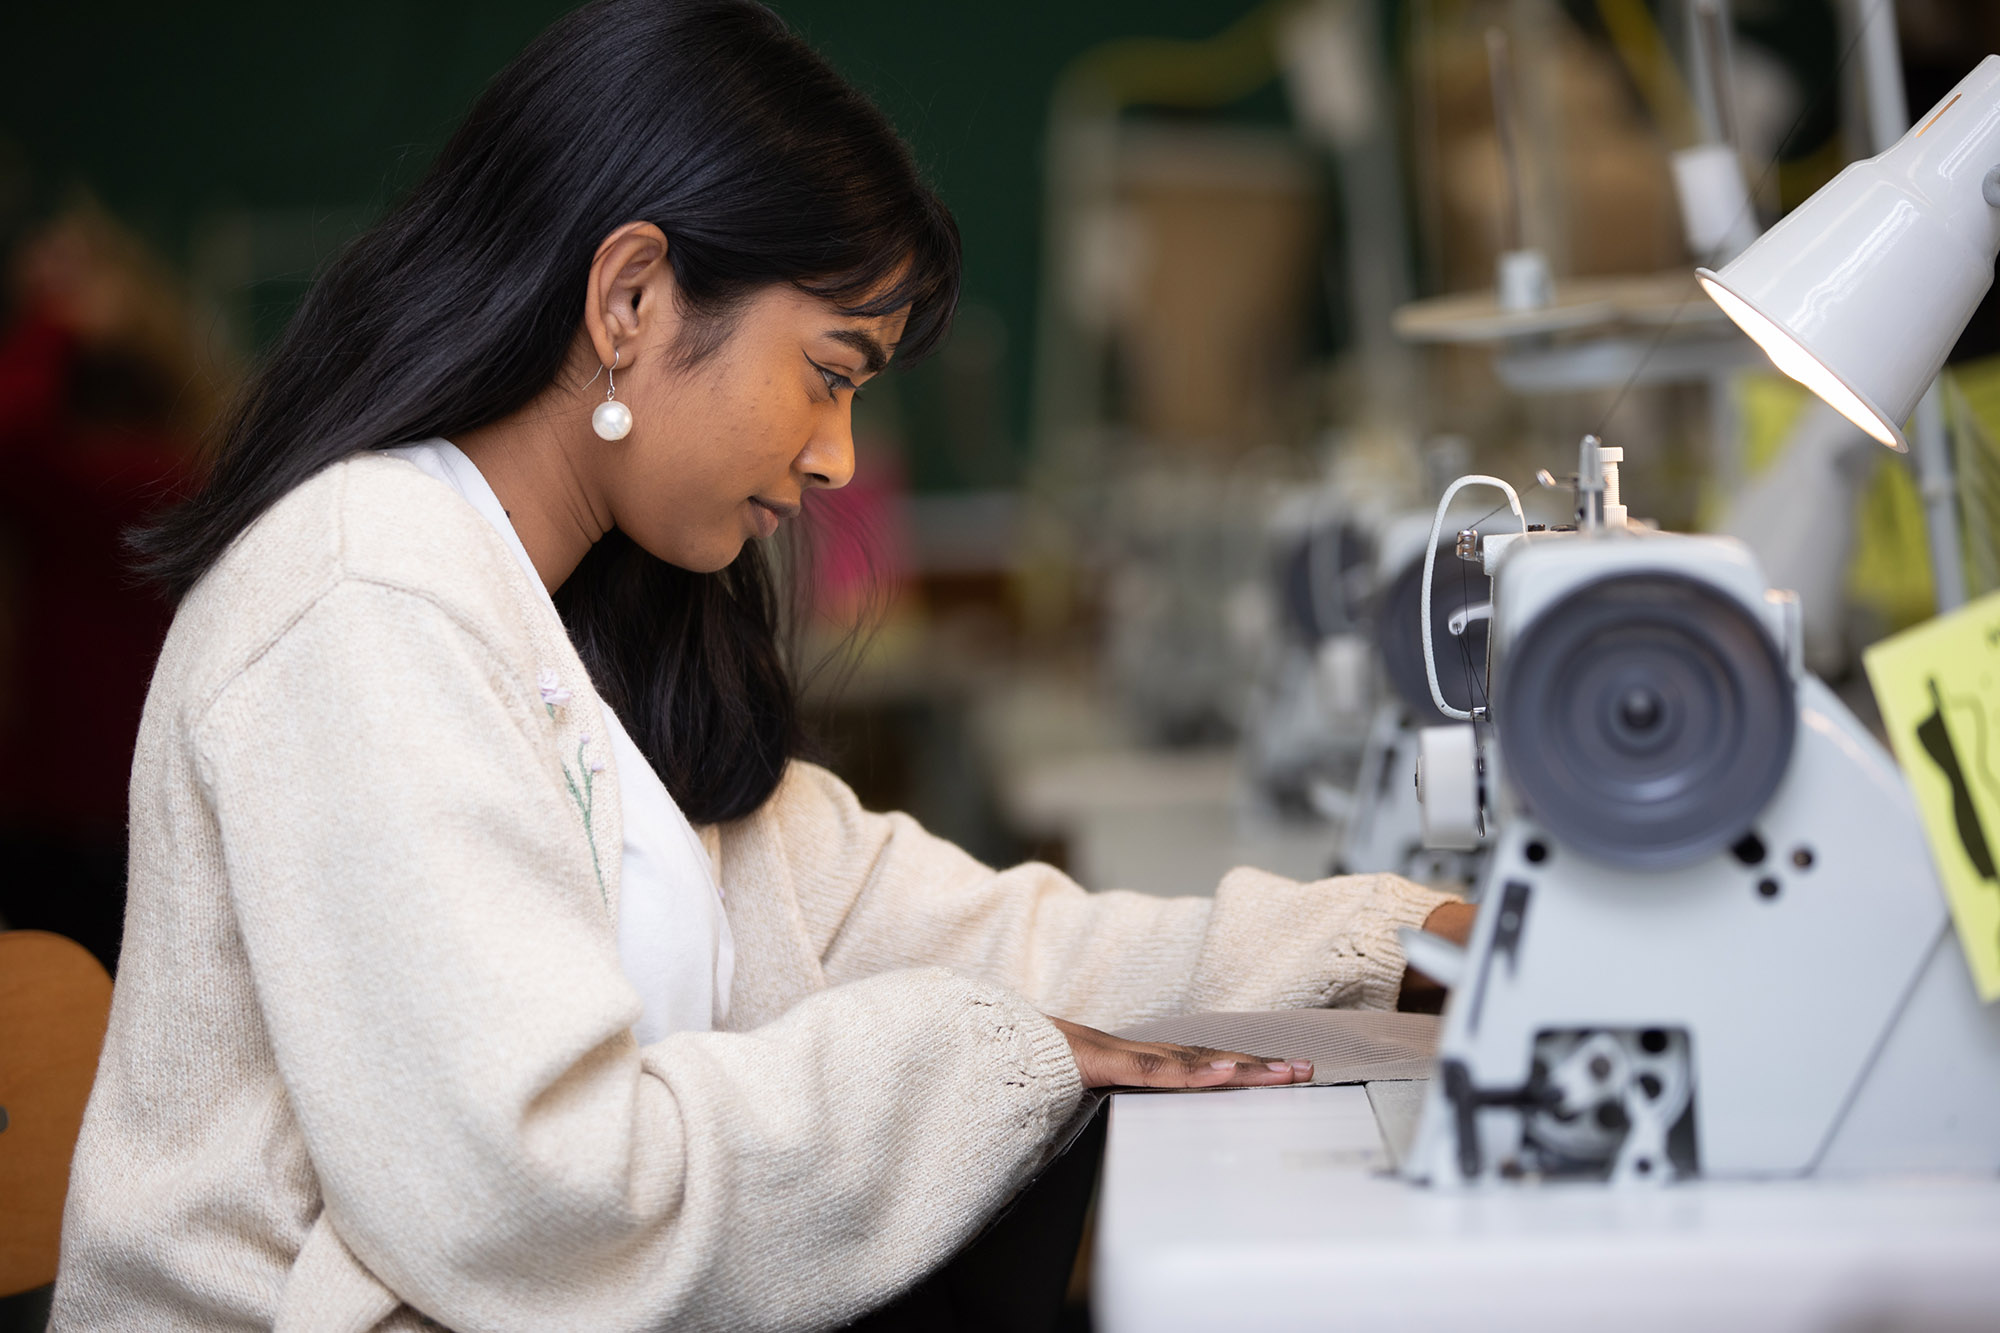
870 347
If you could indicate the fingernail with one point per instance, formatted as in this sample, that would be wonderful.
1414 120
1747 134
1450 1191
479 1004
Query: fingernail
1303 1066
1222 1064
1279 1067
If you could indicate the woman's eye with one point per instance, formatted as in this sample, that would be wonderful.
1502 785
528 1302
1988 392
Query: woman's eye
835 381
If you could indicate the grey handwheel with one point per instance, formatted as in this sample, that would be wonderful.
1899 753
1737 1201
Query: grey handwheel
1461 660
1646 719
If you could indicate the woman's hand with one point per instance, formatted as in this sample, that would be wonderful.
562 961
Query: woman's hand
1106 1061
1452 920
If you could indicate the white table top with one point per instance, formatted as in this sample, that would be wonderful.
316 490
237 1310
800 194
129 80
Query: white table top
1273 1208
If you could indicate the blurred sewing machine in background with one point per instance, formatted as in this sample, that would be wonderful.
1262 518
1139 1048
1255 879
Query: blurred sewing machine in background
1334 724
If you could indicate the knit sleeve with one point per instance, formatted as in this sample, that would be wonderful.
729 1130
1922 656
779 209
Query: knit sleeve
440 990
876 892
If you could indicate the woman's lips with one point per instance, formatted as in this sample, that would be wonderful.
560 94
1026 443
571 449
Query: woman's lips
767 514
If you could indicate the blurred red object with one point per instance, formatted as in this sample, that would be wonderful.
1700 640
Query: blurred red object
862 552
84 630
103 394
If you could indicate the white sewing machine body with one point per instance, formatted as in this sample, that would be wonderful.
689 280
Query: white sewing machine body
1711 942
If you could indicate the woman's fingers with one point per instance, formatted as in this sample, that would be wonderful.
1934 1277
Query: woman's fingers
1106 1061
1233 1069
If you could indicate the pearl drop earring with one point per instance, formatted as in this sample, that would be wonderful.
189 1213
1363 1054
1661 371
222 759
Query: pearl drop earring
611 419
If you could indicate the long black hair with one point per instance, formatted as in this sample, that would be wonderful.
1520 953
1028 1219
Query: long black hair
707 118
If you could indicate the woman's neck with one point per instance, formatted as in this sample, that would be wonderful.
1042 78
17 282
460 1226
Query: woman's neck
531 460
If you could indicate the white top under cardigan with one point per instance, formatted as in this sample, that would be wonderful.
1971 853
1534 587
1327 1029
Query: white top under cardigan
673 937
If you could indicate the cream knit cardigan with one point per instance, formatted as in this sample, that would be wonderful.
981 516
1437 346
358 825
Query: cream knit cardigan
370 1049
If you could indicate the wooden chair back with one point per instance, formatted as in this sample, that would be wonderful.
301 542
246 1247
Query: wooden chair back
55 999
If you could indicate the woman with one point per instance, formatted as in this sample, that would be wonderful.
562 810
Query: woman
434 1002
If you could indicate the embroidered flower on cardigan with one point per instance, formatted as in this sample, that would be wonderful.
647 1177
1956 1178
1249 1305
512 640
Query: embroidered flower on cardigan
584 793
583 782
554 696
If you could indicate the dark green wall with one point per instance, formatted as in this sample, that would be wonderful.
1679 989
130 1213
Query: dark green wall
171 112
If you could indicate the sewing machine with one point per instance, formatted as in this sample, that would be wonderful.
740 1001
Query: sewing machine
1711 943
1710 950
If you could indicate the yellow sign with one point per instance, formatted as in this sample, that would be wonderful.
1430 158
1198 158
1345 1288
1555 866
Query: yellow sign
1938 686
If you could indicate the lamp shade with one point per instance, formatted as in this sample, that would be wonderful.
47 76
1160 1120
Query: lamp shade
1860 292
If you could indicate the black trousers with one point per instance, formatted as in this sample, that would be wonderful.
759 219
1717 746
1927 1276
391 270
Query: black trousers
1012 1277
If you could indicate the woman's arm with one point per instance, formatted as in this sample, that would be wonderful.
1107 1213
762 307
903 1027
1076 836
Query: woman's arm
440 987
876 892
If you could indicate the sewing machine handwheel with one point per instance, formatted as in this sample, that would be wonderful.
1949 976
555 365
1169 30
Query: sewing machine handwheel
1461 660
1647 719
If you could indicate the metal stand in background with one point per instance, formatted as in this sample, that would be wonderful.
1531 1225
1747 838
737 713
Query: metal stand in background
1930 447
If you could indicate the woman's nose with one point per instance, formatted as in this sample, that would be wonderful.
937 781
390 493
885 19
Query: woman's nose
827 461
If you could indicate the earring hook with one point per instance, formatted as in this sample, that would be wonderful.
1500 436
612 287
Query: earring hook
611 371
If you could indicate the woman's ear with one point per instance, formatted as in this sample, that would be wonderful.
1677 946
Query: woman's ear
630 300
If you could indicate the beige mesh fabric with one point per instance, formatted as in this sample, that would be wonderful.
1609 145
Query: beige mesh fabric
1345 1045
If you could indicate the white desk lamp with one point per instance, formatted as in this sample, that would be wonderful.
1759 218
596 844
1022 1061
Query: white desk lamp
1861 291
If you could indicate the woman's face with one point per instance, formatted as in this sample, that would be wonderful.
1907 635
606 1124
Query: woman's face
722 451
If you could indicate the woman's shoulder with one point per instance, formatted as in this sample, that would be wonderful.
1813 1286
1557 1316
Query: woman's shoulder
368 519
